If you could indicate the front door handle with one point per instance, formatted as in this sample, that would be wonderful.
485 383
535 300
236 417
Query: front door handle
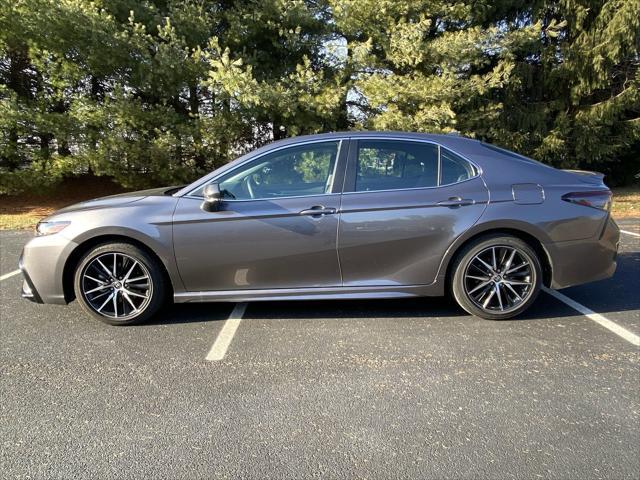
456 202
318 211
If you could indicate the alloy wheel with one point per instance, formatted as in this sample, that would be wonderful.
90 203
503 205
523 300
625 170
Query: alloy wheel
116 285
499 279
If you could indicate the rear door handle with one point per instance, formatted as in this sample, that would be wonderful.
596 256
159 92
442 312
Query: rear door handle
456 202
318 211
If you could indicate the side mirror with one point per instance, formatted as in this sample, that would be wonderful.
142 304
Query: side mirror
212 198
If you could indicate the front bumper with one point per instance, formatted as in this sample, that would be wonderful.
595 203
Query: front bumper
28 290
583 261
42 264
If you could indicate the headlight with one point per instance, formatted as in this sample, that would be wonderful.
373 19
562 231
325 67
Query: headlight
49 228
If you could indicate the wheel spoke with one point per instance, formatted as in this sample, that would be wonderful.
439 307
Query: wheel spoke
128 299
96 297
509 261
489 297
513 291
105 268
514 269
493 256
483 279
499 295
135 294
101 287
478 287
126 277
115 268
516 282
115 301
106 301
137 279
487 266
95 280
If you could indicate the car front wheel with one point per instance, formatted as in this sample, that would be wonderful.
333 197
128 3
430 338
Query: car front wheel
496 277
119 284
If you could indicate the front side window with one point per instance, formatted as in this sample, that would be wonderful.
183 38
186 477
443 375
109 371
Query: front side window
392 165
291 172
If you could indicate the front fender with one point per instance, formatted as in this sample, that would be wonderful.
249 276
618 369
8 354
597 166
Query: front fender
148 222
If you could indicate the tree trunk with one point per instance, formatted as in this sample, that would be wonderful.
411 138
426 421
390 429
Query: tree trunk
194 106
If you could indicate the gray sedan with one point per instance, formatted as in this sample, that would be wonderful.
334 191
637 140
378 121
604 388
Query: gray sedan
334 216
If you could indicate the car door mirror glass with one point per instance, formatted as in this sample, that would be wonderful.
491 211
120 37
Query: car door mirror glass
212 198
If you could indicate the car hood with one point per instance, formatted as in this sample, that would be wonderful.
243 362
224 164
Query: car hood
117 200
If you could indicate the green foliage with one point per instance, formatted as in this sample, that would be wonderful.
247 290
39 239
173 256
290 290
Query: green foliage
315 165
161 91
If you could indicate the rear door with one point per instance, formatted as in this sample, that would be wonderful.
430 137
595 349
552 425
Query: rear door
276 228
404 203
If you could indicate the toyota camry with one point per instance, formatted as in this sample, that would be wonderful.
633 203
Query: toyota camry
333 216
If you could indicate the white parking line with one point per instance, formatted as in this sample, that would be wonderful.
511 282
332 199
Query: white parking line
220 346
596 317
630 233
9 275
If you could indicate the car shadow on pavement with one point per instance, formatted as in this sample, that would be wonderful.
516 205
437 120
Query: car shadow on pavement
427 308
355 309
191 313
340 309
544 308
614 294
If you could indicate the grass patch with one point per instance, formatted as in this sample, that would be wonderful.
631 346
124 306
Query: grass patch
22 212
626 202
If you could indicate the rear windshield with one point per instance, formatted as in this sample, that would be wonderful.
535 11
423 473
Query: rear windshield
509 153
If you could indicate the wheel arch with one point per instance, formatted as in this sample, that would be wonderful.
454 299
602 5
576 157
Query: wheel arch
76 255
526 236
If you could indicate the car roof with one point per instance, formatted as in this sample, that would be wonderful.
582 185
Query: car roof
471 149
443 139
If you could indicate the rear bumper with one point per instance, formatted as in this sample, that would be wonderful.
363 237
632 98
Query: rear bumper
583 261
42 264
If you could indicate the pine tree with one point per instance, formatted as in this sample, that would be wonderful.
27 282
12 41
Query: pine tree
162 91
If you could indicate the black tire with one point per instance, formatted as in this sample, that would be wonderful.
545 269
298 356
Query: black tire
467 277
150 297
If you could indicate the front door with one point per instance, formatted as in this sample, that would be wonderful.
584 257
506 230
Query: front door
276 228
404 203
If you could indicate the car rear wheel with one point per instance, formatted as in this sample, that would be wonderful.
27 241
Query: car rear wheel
119 284
496 277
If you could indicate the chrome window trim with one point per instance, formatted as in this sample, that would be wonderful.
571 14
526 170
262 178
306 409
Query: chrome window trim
231 200
476 167
342 140
339 140
411 188
417 140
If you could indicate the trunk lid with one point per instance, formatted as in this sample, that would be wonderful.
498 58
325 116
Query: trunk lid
585 176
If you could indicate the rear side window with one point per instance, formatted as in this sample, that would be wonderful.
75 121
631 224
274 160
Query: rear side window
454 169
393 165
398 165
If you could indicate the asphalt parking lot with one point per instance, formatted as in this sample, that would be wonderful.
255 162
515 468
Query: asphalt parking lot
370 389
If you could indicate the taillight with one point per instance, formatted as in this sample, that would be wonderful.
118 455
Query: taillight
598 199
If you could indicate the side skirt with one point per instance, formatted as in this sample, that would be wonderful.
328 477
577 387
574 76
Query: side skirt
318 293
